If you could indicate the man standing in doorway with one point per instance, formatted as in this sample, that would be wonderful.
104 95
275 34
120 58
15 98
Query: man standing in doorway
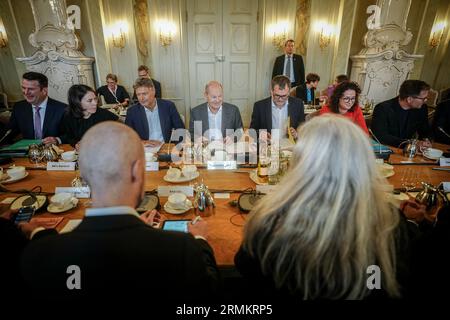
290 64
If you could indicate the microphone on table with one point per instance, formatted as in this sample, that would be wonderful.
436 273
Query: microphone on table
443 131
5 135
373 135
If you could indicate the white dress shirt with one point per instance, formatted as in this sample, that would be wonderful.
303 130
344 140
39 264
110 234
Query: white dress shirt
154 125
279 118
215 124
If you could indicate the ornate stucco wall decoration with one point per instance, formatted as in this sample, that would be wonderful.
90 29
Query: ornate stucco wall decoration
58 53
302 21
142 26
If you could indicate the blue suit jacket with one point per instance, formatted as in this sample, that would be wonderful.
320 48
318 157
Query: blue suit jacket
21 120
169 118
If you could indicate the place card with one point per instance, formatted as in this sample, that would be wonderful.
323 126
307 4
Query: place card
222 165
60 166
444 162
446 186
165 191
221 196
78 192
151 166
265 188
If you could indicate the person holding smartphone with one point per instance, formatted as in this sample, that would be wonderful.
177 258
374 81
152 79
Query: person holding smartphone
119 255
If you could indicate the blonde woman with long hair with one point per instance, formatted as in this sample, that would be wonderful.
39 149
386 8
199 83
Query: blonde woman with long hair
327 222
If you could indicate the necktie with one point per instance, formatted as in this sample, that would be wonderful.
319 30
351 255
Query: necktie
37 124
288 67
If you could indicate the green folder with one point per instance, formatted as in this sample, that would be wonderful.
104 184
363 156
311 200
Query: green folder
20 146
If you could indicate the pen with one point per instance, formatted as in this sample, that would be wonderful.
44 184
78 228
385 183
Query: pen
196 219
441 169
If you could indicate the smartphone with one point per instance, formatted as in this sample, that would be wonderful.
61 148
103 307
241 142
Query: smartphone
176 225
24 214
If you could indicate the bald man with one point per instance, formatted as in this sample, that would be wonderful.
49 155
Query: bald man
117 252
216 116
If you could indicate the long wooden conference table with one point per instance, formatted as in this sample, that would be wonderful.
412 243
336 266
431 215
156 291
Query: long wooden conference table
225 225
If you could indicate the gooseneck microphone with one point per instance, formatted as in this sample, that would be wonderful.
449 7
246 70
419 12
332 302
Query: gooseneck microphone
5 135
373 135
443 131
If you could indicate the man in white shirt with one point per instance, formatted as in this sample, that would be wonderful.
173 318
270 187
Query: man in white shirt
219 120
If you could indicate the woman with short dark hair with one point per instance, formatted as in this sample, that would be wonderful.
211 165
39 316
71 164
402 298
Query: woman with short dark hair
82 114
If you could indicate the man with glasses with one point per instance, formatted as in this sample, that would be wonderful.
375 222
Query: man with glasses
402 117
275 111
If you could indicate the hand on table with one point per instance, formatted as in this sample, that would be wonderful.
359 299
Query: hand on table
413 210
152 143
50 140
200 228
152 217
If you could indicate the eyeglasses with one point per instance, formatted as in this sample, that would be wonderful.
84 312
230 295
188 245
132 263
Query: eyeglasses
423 99
277 96
348 99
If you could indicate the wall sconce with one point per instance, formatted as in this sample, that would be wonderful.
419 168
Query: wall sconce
325 33
166 31
3 40
278 32
118 34
436 34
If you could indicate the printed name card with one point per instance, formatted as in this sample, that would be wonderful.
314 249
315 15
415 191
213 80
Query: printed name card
265 189
444 162
165 191
446 186
60 166
222 165
78 192
151 166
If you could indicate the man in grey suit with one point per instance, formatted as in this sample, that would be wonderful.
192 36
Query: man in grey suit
219 120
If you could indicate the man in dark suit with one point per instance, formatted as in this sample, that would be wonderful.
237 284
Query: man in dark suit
290 65
273 112
401 118
38 116
153 119
114 252
222 120
144 72
114 93
307 91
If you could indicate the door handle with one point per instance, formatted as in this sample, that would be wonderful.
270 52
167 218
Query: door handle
220 58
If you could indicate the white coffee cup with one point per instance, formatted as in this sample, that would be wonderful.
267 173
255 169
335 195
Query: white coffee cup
173 173
61 200
16 172
69 156
150 157
220 155
177 200
434 153
189 170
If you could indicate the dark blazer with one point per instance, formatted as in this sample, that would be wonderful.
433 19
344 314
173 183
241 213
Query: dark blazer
231 118
121 94
299 68
386 123
442 119
21 121
12 243
158 92
169 119
300 92
262 113
120 255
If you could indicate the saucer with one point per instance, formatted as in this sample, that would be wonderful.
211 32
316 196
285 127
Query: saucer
54 209
181 178
73 160
10 180
255 178
171 210
432 158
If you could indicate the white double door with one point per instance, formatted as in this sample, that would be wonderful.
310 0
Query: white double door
222 42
